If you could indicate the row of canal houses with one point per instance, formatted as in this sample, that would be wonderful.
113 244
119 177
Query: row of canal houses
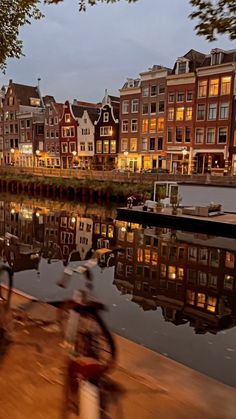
181 119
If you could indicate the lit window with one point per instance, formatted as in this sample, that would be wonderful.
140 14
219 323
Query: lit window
153 125
180 273
160 125
224 110
214 87
99 146
202 88
67 117
133 144
229 260
171 272
225 85
201 299
68 132
154 258
147 253
189 113
179 114
97 228
110 231
140 255
130 237
228 282
113 146
211 304
72 147
145 125
124 144
106 146
171 112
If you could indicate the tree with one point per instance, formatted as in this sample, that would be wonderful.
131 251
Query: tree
215 17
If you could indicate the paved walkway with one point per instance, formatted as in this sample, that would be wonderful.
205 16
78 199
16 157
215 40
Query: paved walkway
151 386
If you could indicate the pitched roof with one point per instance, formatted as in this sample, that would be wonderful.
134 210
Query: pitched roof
24 93
48 99
78 111
227 57
196 59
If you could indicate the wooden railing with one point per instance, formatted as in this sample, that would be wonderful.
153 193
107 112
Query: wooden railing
121 177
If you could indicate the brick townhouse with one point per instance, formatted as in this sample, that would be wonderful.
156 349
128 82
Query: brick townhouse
23 126
53 113
107 134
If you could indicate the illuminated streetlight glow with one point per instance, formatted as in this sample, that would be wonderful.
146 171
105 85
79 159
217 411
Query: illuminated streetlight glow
12 150
74 153
37 152
73 219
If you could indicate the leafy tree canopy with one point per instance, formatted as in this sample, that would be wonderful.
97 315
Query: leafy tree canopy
214 17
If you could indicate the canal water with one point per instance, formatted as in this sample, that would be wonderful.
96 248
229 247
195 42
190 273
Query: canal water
169 290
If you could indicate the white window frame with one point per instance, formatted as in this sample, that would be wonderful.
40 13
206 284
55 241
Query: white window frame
105 116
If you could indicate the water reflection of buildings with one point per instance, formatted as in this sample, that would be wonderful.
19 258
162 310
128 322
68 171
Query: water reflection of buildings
59 230
190 276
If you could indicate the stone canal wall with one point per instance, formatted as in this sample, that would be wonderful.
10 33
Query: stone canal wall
72 189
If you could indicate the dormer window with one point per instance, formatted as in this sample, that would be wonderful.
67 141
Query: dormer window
182 66
130 83
216 58
34 101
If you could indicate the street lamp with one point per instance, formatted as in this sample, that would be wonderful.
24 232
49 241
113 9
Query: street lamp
37 153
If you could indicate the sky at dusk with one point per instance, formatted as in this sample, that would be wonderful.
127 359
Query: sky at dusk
79 55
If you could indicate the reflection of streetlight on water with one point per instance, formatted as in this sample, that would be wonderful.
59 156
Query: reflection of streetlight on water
12 154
